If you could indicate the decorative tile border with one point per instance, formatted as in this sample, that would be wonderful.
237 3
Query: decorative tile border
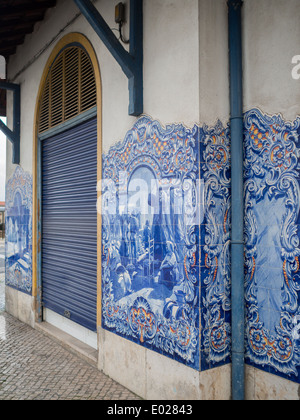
154 274
271 235
215 267
18 241
184 313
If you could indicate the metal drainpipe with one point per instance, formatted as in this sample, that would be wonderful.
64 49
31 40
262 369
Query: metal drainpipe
237 203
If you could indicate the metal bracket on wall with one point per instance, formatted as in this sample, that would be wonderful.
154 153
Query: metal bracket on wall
13 135
131 62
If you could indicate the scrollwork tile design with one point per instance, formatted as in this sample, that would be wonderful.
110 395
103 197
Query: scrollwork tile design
272 281
215 270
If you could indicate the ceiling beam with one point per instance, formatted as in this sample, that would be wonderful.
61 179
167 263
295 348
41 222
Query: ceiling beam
16 25
18 20
27 10
13 37
7 17
6 51
7 45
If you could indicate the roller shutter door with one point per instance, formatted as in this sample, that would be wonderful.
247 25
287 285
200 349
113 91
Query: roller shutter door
69 224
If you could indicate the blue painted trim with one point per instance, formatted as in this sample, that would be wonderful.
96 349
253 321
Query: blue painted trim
13 135
39 305
136 99
237 204
84 116
131 62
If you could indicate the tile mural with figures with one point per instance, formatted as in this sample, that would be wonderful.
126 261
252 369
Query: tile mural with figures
272 281
18 237
154 236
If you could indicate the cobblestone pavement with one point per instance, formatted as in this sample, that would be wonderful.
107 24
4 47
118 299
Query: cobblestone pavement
2 292
2 275
34 367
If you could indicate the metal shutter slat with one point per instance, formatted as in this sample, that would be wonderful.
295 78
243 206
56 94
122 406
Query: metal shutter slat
69 223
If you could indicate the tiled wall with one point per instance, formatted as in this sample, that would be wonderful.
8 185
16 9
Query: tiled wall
272 281
18 241
165 269
190 319
166 275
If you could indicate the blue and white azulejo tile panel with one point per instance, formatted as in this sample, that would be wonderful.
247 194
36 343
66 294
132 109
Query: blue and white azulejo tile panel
215 246
272 200
18 241
153 210
166 241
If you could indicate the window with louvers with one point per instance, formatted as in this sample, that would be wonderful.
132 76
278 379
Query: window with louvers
70 89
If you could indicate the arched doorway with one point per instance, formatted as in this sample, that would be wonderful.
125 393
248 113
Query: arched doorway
67 151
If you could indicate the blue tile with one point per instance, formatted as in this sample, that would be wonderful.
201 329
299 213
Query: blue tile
165 276
272 201
215 231
19 231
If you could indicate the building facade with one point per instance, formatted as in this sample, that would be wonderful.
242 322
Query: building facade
118 222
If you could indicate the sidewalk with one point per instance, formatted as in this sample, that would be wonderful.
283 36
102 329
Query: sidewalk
34 367
2 292
2 275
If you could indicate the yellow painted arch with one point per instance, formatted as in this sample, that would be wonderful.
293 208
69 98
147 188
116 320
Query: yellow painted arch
83 42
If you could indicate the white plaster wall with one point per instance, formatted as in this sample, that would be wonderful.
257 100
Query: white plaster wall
171 60
271 34
263 386
9 119
154 377
213 62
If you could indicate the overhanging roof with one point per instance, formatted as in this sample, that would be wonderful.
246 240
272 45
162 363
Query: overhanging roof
17 19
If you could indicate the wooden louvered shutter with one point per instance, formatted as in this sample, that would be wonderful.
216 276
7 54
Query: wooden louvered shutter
70 89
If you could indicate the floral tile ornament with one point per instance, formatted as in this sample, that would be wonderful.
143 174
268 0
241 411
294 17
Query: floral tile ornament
272 282
215 246
18 240
153 209
166 241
